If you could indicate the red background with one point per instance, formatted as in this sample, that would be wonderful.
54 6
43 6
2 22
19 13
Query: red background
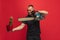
50 27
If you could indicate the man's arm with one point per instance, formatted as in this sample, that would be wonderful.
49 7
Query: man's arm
43 12
20 27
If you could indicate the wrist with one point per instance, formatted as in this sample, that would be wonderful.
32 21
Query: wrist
13 30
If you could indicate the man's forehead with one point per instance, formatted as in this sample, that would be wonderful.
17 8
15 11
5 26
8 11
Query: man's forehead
30 7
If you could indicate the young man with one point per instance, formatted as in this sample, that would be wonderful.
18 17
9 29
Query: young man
33 31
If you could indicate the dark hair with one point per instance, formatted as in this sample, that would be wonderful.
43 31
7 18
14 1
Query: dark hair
30 5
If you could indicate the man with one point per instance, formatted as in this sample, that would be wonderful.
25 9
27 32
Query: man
33 31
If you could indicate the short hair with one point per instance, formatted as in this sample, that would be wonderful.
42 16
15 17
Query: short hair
30 5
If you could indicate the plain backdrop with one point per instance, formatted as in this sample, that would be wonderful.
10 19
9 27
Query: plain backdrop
50 26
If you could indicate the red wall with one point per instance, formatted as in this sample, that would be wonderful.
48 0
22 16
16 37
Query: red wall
50 28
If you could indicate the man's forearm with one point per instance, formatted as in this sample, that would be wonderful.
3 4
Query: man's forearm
20 27
43 11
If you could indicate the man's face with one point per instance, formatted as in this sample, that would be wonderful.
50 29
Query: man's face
30 9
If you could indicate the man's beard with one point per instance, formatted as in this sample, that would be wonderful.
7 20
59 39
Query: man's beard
32 13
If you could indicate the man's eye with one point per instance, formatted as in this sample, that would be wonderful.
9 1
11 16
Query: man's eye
28 10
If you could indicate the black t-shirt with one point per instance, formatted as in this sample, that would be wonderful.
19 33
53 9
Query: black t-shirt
33 26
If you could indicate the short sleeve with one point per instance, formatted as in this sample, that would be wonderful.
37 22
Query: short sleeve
41 16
